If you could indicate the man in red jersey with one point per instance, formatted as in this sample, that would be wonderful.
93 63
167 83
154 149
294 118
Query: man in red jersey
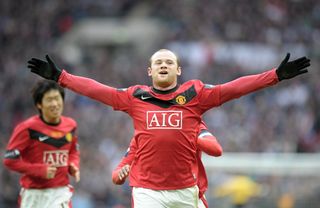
166 118
206 142
44 149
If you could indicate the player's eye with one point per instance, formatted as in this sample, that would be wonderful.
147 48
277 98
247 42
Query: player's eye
48 99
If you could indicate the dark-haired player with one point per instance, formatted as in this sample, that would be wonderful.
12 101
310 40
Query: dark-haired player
44 150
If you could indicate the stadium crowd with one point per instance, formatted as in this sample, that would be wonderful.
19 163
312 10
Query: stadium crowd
285 119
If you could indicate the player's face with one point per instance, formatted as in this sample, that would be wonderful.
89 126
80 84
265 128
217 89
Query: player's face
51 106
164 70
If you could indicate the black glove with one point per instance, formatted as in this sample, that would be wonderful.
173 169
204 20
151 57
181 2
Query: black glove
288 70
46 69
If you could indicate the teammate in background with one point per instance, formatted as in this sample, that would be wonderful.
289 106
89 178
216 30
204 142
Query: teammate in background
44 150
166 117
205 142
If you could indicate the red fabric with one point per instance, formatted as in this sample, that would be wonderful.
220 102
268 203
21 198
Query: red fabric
247 84
166 135
207 142
210 145
205 202
202 177
127 159
33 152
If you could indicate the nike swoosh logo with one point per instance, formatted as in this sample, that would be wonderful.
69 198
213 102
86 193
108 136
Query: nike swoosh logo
42 138
144 98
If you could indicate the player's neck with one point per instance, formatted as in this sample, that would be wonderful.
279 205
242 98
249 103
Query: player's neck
165 90
164 86
52 122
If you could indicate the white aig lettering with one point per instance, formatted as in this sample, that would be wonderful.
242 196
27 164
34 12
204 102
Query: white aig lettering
56 158
164 119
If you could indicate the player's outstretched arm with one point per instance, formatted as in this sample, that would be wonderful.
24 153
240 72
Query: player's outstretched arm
82 85
46 69
289 69
251 83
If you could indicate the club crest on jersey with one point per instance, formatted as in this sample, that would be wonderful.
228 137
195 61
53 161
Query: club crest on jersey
56 158
181 99
164 119
56 134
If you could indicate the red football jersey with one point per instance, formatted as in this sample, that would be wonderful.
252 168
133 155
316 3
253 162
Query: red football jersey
35 144
210 143
166 122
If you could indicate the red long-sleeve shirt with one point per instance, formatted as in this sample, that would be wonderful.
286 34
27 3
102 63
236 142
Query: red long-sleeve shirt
166 123
34 145
206 142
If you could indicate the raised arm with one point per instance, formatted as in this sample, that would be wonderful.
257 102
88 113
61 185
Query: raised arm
248 84
82 85
88 87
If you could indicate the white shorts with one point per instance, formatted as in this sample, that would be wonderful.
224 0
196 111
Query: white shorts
179 198
46 198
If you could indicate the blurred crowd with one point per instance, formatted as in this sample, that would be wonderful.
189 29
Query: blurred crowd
285 118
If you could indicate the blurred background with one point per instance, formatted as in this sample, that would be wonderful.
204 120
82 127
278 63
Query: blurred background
271 138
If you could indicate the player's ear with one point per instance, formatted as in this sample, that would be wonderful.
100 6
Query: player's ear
39 106
179 70
149 71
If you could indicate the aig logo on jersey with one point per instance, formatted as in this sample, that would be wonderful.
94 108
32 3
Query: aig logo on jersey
56 158
164 119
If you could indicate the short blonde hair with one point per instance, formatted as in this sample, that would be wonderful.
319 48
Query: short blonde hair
162 50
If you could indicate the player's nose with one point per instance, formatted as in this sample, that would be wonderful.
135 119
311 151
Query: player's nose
54 103
163 66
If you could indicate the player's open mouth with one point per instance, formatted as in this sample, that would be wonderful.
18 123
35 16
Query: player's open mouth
163 72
